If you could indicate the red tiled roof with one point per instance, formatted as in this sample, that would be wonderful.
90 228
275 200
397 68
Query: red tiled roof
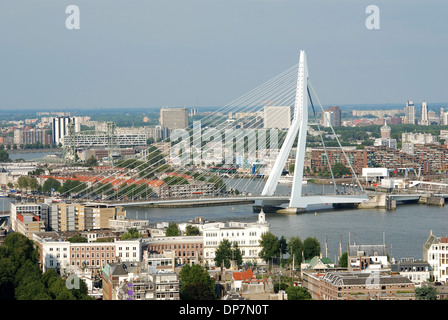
245 275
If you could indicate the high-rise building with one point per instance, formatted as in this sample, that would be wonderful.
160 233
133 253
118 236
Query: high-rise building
328 119
409 112
425 121
277 117
174 118
337 115
60 128
30 136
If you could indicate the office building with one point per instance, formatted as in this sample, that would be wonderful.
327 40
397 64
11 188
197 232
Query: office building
425 119
337 118
409 112
174 118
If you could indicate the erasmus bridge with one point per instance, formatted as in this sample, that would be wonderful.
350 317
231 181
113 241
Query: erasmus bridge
291 88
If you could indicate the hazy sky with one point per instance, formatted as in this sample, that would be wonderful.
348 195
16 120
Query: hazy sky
148 53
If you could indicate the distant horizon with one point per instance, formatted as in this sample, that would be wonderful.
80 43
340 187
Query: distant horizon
363 106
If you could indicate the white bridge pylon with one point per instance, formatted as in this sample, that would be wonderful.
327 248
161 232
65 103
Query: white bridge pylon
298 128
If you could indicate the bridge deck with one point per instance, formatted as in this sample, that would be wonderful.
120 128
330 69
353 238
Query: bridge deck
308 200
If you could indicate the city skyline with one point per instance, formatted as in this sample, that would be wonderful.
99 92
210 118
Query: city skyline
208 53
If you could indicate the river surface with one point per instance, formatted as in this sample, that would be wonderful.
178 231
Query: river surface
404 229
30 156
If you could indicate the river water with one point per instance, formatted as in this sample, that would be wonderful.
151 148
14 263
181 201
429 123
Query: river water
404 229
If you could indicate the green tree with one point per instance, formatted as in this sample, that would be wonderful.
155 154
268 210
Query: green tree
91 162
51 185
190 278
191 230
270 247
22 182
223 254
339 169
295 249
343 260
237 256
311 248
173 230
4 156
298 293
426 293
197 291
132 233
283 247
6 279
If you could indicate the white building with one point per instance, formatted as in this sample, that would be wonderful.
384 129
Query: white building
367 257
129 250
55 253
60 128
425 120
246 235
409 112
328 119
418 138
416 271
386 142
435 252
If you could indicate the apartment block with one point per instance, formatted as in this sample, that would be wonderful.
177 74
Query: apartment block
174 118
18 211
358 159
28 224
78 217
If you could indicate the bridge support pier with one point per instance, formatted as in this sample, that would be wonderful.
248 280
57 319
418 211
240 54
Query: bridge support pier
290 210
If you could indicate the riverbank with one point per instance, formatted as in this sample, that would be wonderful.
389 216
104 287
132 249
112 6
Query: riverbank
46 150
